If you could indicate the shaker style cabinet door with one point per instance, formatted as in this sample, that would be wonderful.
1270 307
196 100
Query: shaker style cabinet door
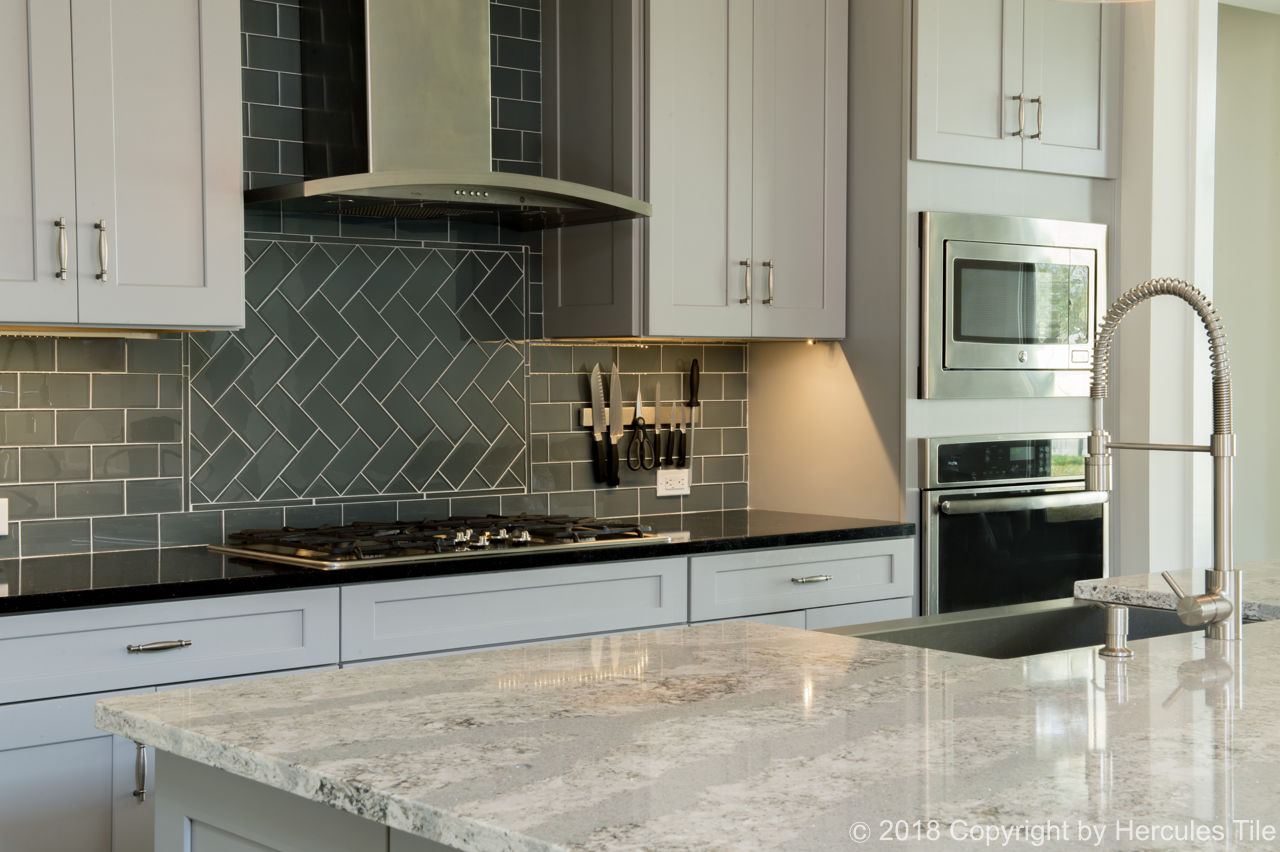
799 165
699 168
968 76
37 169
1071 61
157 116
733 114
1018 84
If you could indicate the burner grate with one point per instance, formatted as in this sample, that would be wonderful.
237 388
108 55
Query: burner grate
367 541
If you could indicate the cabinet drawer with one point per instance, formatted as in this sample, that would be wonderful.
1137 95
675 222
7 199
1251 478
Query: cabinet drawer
736 584
441 613
78 651
858 613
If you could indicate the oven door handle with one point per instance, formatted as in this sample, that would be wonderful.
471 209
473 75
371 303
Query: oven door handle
978 505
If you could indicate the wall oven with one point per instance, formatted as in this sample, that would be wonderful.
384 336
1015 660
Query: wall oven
1005 519
1009 305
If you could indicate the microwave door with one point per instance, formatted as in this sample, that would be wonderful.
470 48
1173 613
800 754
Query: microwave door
1010 307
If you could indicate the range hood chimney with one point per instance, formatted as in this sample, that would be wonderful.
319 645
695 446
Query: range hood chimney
397 122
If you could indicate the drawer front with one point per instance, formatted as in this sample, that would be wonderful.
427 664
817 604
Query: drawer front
729 585
442 613
858 613
79 651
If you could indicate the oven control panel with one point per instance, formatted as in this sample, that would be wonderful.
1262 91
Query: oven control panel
1004 458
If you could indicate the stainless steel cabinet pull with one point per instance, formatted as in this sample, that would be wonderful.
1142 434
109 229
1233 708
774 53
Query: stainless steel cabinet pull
1039 102
150 647
768 264
61 224
746 264
101 226
979 505
1022 114
140 773
816 578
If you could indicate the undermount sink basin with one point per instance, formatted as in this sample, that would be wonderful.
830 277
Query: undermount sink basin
1016 631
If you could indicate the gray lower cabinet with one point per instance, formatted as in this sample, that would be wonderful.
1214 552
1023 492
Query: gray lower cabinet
66 785
120 185
812 587
435 614
55 777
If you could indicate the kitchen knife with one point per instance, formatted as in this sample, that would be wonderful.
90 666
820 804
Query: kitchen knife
695 378
672 436
615 422
597 424
657 424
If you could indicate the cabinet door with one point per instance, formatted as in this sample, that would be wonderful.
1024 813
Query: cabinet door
1070 62
699 168
55 777
799 162
157 116
968 72
37 171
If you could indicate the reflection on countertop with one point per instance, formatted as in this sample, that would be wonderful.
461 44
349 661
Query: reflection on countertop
739 735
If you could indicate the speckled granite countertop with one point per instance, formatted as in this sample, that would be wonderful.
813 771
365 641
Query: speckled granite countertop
174 573
740 736
1261 582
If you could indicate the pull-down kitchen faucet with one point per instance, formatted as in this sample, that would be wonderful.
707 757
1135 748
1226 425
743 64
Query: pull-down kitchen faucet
1219 608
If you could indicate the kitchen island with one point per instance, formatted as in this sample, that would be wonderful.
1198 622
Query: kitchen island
729 736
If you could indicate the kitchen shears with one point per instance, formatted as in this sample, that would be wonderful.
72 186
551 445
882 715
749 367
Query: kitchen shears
640 452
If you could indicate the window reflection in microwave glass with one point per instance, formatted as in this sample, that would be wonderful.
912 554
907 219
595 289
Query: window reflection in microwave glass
1000 301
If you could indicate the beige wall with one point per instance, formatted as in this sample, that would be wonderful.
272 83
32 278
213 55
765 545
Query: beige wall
1247 260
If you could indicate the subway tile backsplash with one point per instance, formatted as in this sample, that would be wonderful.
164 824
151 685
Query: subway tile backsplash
388 369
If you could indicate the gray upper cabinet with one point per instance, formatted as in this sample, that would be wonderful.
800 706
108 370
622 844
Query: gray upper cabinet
1018 84
123 206
731 118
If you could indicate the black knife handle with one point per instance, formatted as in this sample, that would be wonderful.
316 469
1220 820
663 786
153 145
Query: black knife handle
614 479
671 446
695 376
657 443
681 442
602 462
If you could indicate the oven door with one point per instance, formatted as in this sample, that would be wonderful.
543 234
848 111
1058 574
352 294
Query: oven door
1018 307
988 547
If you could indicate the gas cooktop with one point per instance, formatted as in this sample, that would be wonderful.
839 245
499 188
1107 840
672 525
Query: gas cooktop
397 542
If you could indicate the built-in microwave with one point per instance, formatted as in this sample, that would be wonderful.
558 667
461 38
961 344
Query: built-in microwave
1009 305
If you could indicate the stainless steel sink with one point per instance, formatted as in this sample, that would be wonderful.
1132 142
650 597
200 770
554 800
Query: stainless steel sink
1016 631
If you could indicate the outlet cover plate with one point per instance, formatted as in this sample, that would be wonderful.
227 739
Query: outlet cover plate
673 481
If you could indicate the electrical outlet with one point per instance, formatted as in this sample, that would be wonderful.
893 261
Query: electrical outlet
673 481
4 516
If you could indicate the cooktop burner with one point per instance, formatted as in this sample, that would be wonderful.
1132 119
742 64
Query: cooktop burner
374 543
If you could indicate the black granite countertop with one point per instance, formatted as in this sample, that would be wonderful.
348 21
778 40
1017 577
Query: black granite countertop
136 576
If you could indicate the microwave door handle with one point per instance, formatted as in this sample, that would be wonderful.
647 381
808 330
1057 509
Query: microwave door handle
979 505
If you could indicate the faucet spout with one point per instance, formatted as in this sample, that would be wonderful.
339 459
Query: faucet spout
1222 582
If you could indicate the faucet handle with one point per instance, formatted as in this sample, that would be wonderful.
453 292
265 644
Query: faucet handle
1173 584
1198 610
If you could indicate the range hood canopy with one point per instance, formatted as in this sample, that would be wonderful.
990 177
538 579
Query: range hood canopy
397 123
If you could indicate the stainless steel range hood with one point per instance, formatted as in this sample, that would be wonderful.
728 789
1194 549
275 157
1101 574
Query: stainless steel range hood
397 122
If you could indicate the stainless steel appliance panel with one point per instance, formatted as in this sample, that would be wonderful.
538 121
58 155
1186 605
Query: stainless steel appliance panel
1009 305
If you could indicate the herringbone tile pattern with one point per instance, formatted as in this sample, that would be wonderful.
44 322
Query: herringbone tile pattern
364 370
